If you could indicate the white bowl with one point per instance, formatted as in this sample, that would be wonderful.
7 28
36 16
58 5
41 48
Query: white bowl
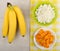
51 45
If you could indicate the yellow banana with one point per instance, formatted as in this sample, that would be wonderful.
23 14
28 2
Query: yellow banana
12 25
5 23
21 21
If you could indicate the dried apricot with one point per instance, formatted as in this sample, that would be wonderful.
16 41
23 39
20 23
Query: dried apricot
44 38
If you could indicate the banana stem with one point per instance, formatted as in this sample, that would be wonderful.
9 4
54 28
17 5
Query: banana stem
9 5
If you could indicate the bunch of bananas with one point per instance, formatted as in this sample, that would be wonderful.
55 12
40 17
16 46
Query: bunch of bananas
13 15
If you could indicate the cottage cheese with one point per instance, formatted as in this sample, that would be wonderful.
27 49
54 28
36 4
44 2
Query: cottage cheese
45 13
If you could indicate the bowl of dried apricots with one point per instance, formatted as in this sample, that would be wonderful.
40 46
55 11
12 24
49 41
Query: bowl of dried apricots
45 38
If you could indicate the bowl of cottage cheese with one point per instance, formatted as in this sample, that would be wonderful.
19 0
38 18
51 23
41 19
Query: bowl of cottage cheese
45 13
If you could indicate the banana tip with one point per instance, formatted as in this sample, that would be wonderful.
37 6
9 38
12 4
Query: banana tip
9 42
3 36
22 35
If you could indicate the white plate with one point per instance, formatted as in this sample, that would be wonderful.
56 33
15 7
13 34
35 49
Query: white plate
41 47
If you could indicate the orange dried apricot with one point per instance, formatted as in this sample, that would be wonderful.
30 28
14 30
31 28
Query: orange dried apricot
44 38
